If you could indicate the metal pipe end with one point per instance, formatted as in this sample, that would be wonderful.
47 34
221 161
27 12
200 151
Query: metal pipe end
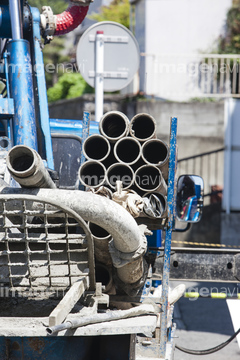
155 152
122 172
22 161
127 150
96 147
92 173
114 125
148 178
143 127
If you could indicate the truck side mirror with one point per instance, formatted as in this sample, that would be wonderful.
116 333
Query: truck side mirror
189 201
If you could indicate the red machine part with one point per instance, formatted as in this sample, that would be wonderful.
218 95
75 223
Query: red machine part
70 19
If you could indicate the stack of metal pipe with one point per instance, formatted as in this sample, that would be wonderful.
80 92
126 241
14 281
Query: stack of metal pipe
129 151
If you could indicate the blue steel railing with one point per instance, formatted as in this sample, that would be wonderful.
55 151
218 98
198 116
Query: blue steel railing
168 236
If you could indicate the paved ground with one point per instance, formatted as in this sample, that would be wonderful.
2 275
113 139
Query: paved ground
205 323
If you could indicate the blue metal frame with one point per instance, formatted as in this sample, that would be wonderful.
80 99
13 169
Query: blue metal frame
72 127
85 132
21 89
168 235
42 89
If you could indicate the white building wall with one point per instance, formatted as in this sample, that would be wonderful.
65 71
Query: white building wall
174 28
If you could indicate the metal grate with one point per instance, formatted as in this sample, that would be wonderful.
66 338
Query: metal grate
42 244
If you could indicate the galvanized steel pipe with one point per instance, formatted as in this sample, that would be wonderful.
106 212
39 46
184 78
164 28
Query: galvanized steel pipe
104 275
114 125
101 239
122 172
143 127
156 152
127 150
92 173
96 147
27 168
149 178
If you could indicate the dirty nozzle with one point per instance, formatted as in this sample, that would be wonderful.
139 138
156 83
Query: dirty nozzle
27 168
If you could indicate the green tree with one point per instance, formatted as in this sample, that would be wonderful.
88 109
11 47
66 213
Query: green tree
57 6
230 44
68 86
52 54
117 11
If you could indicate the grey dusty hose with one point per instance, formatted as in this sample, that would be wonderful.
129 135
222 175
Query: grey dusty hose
114 125
142 309
27 168
95 208
143 127
96 147
92 173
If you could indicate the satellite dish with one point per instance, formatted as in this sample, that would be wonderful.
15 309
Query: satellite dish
121 55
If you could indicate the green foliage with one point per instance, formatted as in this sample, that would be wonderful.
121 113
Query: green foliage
57 6
52 56
117 11
68 86
52 53
230 44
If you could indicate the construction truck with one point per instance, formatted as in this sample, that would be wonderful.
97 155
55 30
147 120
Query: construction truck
83 273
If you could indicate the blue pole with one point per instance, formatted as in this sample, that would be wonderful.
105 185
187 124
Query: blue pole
9 121
21 89
168 236
42 89
85 131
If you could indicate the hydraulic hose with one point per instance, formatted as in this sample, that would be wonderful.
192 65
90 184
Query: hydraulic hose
208 351
70 19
